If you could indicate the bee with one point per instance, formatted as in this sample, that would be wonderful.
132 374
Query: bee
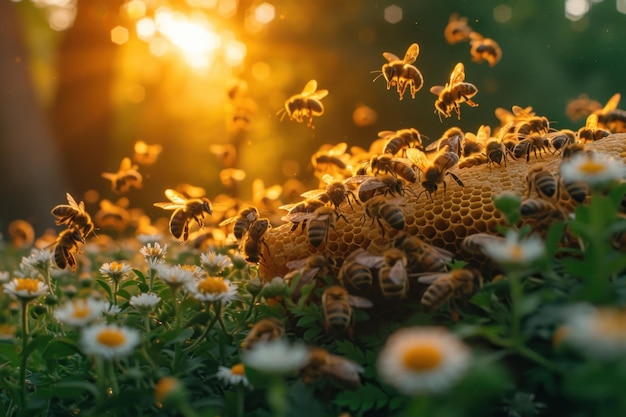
337 309
263 331
484 49
184 211
306 104
611 117
335 192
301 212
452 140
316 265
422 256
378 207
572 149
435 169
126 177
540 210
496 153
473 160
533 143
592 131
342 371
582 106
242 221
475 243
322 220
561 138
330 158
370 186
577 190
73 215
65 246
112 216
356 271
443 287
457 29
254 239
457 91
401 73
400 140
21 233
398 167
542 182
392 275
145 154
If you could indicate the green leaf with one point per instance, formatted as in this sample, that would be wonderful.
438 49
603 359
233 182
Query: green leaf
72 389
508 204
38 342
306 321
8 351
60 348
107 288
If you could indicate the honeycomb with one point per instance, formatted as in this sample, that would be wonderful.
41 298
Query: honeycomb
443 220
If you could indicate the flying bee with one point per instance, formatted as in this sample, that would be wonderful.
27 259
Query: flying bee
533 143
356 270
484 49
592 131
242 221
435 169
401 73
561 138
126 177
321 221
264 330
337 309
254 239
398 167
184 211
543 182
475 243
457 91
379 207
612 118
457 29
73 215
581 106
66 246
540 210
400 140
145 154
340 370
392 275
458 283
370 186
306 104
422 256
335 192
21 234
112 216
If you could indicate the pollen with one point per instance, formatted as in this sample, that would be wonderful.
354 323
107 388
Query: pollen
238 369
29 285
421 358
592 167
212 285
111 338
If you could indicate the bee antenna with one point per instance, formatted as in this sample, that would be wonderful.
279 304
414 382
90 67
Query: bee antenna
378 76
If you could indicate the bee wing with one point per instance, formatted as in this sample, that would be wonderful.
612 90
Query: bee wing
319 94
386 133
429 278
72 202
523 112
458 74
504 115
611 104
309 88
367 259
313 194
175 197
436 89
356 301
417 157
297 217
109 176
329 179
443 254
592 121
338 149
371 185
447 160
296 264
167 205
125 164
225 221
358 179
390 57
397 273
411 54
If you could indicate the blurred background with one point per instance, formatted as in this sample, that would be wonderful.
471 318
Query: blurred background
81 81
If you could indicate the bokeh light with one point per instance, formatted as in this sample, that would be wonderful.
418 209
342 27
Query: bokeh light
393 14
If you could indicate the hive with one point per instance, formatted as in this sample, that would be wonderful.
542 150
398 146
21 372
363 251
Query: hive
444 220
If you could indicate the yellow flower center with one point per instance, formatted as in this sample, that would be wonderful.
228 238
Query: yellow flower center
80 309
164 387
421 358
611 323
516 252
187 267
111 337
116 267
238 369
591 167
29 285
212 285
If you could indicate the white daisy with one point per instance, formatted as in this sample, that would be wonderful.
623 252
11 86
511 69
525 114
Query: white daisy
276 357
26 289
212 289
214 263
115 270
592 168
80 312
5 276
234 375
145 302
515 252
596 331
154 254
39 260
174 276
197 272
111 310
109 340
421 360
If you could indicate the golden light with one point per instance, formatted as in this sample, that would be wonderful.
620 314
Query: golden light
234 53
260 71
264 13
393 14
119 35
146 29
136 9
158 47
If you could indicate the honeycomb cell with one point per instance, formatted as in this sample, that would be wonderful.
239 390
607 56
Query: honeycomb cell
441 224
449 236
429 232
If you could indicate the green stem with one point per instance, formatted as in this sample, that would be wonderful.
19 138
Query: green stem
537 358
112 377
517 294
151 282
240 400
24 356
250 307
277 397
115 289
207 328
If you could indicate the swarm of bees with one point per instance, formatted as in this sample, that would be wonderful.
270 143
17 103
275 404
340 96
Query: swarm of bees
481 48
